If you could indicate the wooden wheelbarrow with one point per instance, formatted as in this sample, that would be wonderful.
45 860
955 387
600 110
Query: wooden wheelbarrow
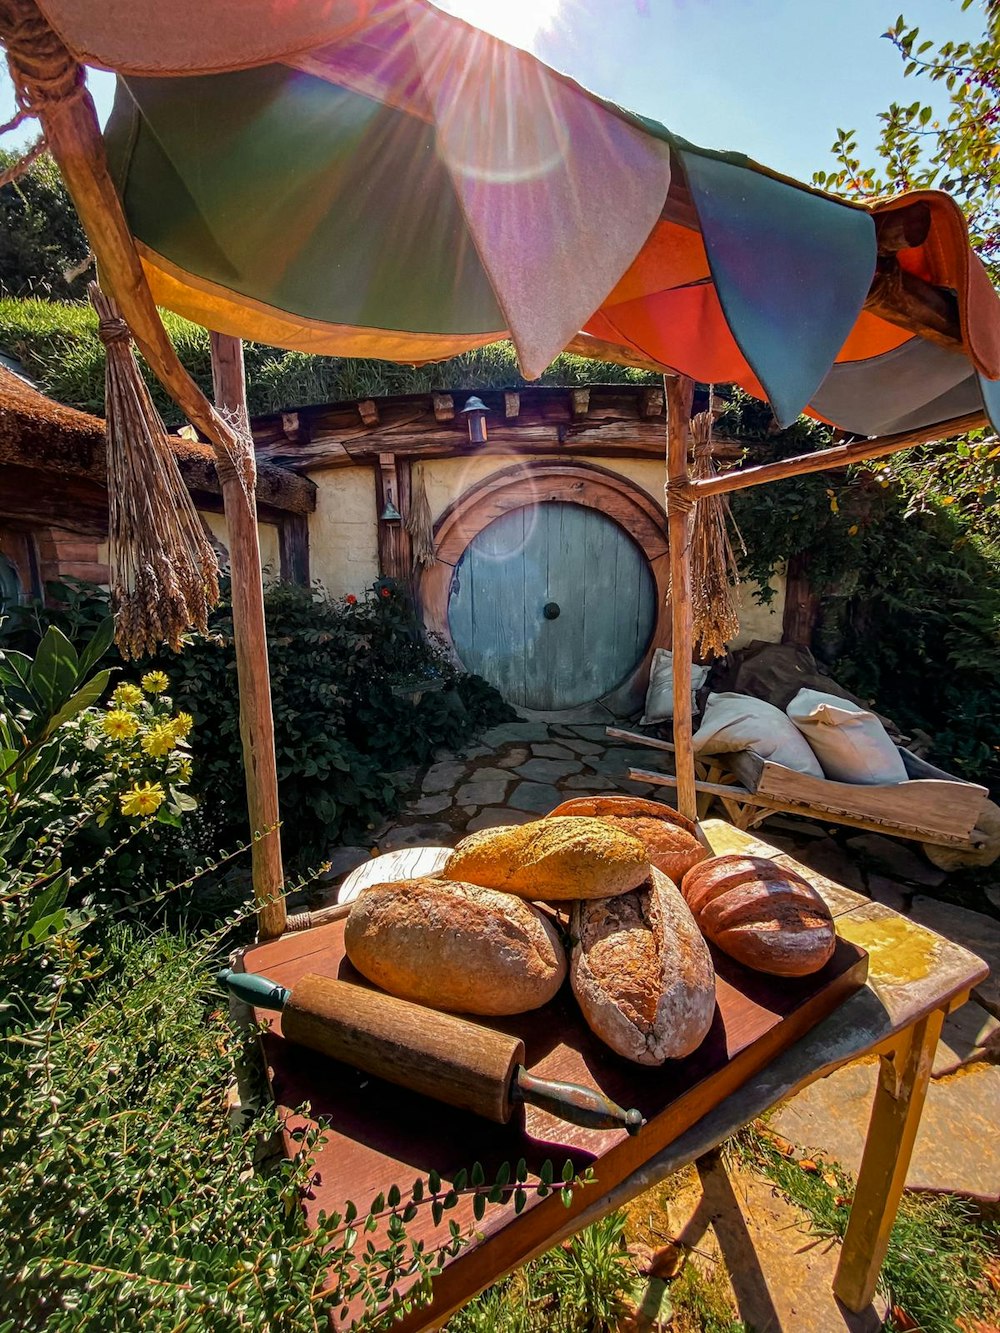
955 821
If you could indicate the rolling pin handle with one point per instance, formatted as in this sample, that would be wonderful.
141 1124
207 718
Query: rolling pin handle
570 1101
254 989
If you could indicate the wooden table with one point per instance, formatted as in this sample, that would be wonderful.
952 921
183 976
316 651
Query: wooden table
915 978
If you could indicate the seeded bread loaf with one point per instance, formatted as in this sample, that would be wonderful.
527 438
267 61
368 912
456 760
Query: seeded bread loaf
669 838
761 914
642 973
551 860
455 946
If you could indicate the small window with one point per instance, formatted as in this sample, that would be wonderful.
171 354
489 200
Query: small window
10 585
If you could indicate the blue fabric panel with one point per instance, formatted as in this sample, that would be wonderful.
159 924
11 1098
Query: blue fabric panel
913 385
990 390
792 271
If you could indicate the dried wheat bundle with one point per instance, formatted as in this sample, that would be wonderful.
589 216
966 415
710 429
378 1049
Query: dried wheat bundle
164 572
419 524
715 575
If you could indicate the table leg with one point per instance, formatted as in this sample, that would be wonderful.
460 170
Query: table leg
899 1100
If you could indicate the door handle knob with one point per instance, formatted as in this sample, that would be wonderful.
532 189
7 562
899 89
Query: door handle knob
551 610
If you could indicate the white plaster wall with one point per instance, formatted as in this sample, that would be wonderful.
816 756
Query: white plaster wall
761 622
343 535
270 548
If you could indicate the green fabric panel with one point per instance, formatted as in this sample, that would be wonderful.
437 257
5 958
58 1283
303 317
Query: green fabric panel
313 199
792 270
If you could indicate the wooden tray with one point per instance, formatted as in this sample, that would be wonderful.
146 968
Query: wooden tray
379 1135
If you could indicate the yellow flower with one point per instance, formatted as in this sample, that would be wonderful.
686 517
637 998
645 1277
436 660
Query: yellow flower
184 770
143 799
119 725
182 724
161 740
127 696
155 682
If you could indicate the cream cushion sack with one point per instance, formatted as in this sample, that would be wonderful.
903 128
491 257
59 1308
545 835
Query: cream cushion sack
851 744
735 722
660 695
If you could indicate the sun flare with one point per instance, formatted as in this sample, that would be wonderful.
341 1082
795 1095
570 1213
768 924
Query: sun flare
516 21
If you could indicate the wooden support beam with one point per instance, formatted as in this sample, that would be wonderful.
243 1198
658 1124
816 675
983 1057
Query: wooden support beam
444 407
907 301
250 635
395 546
680 515
651 404
840 455
368 411
73 136
579 402
511 406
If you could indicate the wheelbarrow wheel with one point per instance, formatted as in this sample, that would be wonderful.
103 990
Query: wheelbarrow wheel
987 850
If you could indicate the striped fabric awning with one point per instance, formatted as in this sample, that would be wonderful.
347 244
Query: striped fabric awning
378 178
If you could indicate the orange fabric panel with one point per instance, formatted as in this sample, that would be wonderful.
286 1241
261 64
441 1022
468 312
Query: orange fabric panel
673 256
871 336
684 328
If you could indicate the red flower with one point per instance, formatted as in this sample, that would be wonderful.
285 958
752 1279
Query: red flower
386 592
350 599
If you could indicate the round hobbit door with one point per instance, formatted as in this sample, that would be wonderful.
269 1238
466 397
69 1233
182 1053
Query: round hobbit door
554 604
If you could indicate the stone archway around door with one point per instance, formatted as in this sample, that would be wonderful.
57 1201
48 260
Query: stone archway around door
525 488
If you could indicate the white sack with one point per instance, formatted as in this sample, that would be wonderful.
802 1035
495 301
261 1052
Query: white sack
850 743
734 722
660 694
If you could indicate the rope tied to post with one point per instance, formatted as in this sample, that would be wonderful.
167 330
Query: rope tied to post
680 498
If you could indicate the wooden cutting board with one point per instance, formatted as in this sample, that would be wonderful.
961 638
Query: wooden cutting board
379 1135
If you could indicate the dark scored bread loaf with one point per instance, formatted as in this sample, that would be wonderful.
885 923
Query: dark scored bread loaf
763 915
642 973
669 838
551 860
453 946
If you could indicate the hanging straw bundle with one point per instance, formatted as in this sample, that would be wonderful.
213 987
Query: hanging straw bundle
715 574
420 525
164 572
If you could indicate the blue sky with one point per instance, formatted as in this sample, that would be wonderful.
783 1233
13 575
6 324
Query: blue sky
771 78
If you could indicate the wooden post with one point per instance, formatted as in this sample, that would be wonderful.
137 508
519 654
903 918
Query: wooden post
256 721
680 395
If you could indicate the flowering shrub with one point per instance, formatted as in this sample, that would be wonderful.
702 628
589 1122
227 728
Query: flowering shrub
135 755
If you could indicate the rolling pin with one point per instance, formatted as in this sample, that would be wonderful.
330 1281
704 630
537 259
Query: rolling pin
450 1059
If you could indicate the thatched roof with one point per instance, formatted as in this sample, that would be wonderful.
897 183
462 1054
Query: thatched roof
37 432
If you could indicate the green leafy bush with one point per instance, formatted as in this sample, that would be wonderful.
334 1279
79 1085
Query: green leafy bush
906 556
357 692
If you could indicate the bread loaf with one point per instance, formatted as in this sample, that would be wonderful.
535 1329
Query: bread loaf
454 946
761 914
642 973
552 860
669 838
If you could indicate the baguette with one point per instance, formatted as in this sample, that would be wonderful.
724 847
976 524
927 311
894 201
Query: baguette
669 838
765 916
642 973
457 947
551 860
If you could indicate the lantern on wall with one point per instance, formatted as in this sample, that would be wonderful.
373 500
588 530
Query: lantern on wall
390 514
475 411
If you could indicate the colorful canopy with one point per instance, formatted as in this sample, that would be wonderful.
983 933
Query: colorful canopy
378 178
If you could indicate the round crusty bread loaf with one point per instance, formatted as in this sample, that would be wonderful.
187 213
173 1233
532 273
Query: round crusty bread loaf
668 837
454 946
763 915
642 973
551 860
